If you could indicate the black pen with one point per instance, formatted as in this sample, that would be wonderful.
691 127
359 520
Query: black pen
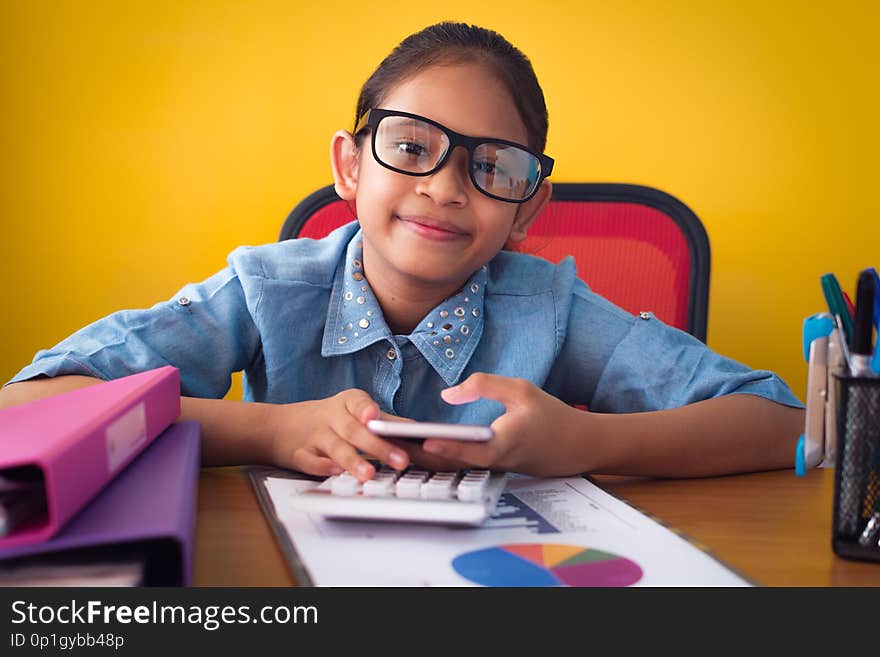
863 328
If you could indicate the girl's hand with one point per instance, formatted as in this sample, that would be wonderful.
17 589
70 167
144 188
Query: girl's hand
322 437
538 434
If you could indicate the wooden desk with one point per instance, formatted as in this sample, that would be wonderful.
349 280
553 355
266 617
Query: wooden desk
772 527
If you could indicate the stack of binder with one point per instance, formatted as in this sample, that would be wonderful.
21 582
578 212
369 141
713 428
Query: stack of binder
98 487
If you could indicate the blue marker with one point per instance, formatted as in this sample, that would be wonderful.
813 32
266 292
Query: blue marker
863 324
875 363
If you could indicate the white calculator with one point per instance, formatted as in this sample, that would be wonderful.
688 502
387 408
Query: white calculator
463 497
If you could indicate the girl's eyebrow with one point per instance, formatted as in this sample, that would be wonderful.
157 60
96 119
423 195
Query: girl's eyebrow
409 121
406 120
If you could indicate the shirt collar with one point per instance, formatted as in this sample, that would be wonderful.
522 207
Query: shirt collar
446 337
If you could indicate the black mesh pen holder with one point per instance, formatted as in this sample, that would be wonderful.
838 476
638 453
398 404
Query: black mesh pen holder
856 518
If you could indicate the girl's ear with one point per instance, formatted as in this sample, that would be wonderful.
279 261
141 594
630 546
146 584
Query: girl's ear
527 212
344 162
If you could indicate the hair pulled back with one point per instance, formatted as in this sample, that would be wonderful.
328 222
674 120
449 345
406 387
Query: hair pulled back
457 43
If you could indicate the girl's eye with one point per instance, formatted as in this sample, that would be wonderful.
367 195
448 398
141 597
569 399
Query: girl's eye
411 148
488 168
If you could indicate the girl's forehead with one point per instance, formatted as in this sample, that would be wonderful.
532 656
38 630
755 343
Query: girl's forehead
468 98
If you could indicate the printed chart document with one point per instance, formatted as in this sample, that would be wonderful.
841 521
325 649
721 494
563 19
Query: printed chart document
544 532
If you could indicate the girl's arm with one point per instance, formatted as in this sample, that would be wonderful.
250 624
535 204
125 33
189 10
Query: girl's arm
541 435
232 432
320 437
729 434
22 392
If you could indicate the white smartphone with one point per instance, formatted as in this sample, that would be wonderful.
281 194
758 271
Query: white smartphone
471 432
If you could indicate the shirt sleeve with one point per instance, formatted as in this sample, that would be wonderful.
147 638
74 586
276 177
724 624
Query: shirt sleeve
206 331
617 363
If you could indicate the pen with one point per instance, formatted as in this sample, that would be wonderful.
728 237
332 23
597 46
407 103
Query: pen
857 463
875 362
863 325
871 530
836 303
872 495
847 356
849 304
876 297
858 474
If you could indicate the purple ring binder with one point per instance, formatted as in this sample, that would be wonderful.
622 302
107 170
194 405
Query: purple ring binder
150 506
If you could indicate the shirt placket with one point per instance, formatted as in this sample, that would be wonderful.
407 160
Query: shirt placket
388 374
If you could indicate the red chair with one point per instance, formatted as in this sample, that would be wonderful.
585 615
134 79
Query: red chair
637 246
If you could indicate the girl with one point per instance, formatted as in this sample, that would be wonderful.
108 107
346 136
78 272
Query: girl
417 312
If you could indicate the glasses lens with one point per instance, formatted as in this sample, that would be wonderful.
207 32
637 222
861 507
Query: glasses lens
408 144
505 171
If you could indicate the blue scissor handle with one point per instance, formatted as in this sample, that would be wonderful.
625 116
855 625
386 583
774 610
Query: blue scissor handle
819 325
800 459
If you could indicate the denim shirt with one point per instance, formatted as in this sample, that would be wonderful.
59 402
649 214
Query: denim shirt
299 318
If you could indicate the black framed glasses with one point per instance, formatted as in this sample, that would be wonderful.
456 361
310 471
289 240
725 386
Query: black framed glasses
416 146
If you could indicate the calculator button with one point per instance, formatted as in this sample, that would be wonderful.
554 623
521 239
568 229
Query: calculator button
382 485
439 487
473 486
410 484
345 484
382 488
408 488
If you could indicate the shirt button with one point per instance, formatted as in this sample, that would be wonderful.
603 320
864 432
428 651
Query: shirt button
183 301
392 353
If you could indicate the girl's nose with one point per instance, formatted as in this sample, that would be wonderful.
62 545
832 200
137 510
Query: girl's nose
448 185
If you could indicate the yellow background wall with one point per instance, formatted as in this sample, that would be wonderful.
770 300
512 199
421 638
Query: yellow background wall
140 144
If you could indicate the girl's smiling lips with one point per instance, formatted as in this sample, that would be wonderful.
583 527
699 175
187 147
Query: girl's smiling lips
434 229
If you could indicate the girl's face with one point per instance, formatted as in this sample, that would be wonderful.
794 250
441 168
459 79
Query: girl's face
437 230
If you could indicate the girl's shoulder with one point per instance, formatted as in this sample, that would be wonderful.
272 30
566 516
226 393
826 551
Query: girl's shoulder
303 259
523 274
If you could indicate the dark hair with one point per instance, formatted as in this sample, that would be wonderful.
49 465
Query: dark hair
453 43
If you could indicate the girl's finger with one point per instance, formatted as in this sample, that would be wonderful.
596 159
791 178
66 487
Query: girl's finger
504 389
393 418
311 463
353 431
351 427
362 407
459 451
344 454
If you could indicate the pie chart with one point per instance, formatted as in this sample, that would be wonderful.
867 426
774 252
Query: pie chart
546 564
